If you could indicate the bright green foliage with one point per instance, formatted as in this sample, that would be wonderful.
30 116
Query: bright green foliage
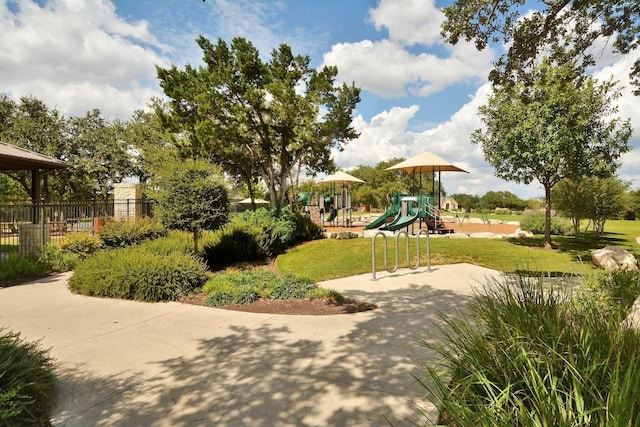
613 291
154 153
121 233
527 355
562 125
467 202
27 382
95 149
634 201
260 234
19 265
256 118
502 199
244 287
535 222
234 244
593 198
55 259
380 184
141 272
98 155
561 29
84 244
194 199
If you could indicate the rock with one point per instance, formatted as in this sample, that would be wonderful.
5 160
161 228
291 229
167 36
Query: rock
456 236
614 258
484 235
633 319
521 234
638 240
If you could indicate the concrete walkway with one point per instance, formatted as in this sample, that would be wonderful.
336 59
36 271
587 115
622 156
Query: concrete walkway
124 363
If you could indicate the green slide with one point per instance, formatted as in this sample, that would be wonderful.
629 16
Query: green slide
401 222
382 219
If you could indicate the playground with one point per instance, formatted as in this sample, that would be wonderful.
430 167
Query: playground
414 210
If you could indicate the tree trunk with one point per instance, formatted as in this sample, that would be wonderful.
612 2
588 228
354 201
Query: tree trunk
196 236
547 216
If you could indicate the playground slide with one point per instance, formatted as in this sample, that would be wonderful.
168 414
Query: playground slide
332 215
401 222
382 219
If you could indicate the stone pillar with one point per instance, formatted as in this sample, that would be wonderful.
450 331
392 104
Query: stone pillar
127 201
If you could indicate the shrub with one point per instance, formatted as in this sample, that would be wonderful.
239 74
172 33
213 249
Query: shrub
232 246
27 382
121 233
259 234
528 356
19 265
535 222
55 259
243 287
140 273
81 244
613 291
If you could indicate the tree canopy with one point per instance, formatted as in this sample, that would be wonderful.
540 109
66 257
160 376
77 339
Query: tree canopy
96 149
588 197
560 30
194 198
258 118
564 125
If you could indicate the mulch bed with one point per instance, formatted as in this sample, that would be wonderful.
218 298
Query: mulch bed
313 307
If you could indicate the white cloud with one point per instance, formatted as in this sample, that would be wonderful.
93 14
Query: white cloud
78 55
390 69
629 107
409 21
386 136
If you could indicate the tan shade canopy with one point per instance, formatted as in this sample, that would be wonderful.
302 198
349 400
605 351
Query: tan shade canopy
424 163
341 177
18 158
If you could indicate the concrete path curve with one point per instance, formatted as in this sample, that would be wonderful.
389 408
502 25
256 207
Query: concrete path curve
125 363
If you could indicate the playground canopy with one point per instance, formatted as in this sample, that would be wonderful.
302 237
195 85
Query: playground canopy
342 177
425 162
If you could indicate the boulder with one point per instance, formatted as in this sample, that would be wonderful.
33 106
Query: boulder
633 319
483 235
521 234
614 258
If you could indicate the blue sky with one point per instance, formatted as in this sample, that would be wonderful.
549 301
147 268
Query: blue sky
418 93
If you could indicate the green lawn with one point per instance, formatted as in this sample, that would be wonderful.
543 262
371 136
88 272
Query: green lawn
331 258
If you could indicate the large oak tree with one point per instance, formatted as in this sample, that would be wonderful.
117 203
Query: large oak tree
562 125
559 29
258 118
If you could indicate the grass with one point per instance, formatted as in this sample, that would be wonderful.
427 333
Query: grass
526 355
332 258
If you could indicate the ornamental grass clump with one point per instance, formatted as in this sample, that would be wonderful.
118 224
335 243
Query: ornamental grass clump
527 355
27 382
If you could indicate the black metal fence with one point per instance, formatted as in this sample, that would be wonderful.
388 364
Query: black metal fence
26 228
